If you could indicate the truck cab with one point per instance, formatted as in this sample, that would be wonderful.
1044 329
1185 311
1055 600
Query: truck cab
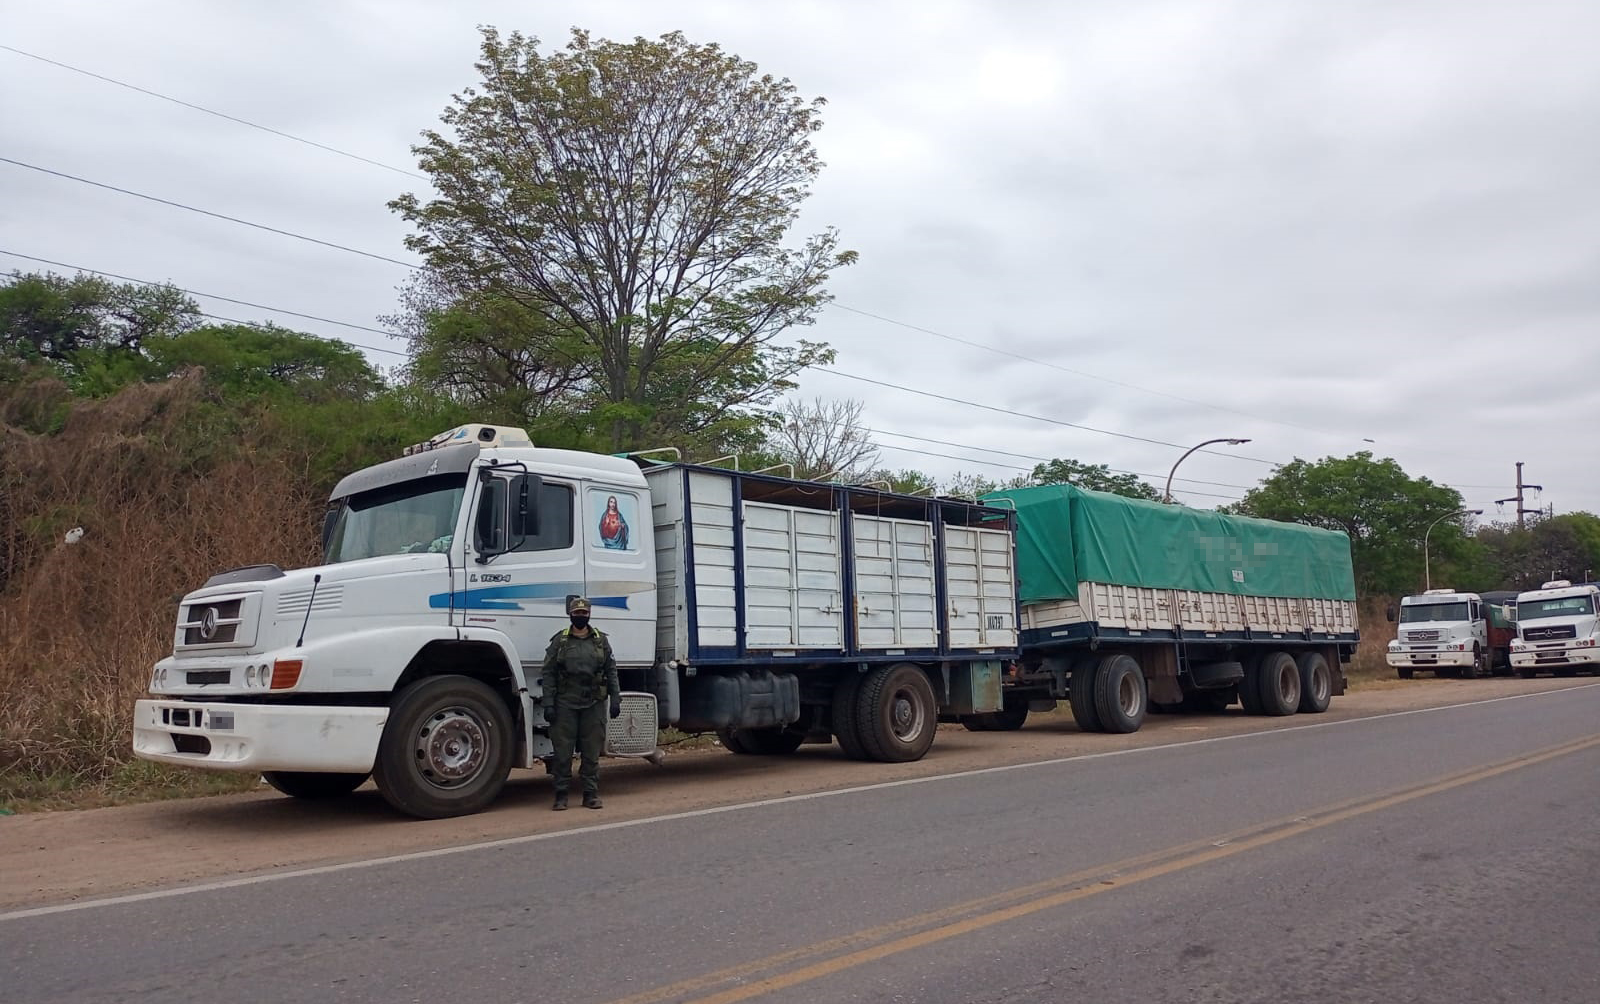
1442 630
445 572
1557 629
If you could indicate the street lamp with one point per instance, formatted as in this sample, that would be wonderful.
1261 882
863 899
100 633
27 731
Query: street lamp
1166 496
1427 571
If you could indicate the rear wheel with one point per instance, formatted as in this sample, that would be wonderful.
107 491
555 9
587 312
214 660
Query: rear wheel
1120 698
1280 684
306 784
1316 683
1250 686
845 693
446 750
1080 694
761 742
896 714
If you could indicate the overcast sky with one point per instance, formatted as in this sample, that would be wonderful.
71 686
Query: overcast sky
1303 222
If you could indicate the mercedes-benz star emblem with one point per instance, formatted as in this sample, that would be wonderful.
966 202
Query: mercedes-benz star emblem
208 624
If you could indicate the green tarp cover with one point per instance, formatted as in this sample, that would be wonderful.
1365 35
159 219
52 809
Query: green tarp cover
1066 535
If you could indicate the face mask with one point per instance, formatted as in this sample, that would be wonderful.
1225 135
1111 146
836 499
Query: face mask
580 620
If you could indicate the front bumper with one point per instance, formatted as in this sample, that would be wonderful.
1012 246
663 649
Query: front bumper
256 737
1555 658
1428 660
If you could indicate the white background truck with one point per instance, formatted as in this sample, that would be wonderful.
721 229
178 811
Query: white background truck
1557 630
1451 633
769 610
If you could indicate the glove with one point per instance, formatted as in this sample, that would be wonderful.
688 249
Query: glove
616 706
549 712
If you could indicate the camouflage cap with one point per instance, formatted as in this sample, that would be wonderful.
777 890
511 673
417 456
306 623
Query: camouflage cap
577 605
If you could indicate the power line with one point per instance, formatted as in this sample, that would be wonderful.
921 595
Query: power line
1068 369
225 299
207 212
213 111
1036 418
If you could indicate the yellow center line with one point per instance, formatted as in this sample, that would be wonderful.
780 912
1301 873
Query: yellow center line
989 911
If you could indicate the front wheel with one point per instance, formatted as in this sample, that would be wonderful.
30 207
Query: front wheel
896 714
313 784
446 750
1405 672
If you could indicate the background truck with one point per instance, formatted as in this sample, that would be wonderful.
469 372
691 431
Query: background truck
1453 634
1129 605
772 611
1557 629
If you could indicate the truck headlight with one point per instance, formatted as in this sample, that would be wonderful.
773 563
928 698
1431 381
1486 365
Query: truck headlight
1394 646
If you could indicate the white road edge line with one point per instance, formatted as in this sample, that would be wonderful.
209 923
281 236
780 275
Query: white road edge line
439 852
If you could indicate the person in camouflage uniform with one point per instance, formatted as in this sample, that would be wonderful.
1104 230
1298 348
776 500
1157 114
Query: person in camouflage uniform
580 672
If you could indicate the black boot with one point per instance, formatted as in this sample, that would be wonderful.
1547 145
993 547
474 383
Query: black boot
591 800
561 801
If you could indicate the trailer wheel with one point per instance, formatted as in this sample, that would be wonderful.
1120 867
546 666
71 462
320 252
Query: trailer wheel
1120 694
313 784
1316 683
1280 684
1080 694
761 742
845 726
1250 686
896 714
446 749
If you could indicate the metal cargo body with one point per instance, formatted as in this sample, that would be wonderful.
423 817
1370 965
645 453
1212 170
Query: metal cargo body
751 566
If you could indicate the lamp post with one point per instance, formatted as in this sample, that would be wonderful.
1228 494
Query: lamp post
1166 496
1427 571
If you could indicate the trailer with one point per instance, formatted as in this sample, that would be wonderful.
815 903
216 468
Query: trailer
1130 606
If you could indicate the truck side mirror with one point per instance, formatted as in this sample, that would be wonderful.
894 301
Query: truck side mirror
1391 613
490 524
525 492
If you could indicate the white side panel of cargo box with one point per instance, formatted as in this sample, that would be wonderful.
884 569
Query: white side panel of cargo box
980 587
1053 614
666 518
793 592
711 510
896 604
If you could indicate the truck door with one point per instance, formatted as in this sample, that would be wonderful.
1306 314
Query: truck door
618 545
523 592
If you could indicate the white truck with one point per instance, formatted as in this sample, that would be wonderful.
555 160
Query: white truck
1557 629
770 610
1450 633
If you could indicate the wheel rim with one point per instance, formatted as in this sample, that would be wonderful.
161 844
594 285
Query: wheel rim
1321 684
1289 684
906 715
1128 695
451 747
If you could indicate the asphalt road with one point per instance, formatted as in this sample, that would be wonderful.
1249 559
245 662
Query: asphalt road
1447 855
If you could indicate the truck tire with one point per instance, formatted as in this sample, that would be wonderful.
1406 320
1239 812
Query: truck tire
896 714
761 742
1250 686
1120 694
1316 683
1279 677
1405 672
1479 667
446 749
313 784
845 729
1080 694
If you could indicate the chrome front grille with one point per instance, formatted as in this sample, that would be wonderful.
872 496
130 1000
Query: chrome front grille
212 622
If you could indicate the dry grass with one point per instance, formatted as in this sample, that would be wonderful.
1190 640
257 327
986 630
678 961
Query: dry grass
165 497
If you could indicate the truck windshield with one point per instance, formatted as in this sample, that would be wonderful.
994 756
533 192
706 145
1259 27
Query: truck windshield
416 517
1568 606
1433 612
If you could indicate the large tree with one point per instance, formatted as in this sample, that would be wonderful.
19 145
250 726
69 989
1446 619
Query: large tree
77 324
1563 547
821 437
1385 511
1095 477
638 198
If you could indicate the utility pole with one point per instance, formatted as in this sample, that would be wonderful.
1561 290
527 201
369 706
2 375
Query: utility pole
1519 497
